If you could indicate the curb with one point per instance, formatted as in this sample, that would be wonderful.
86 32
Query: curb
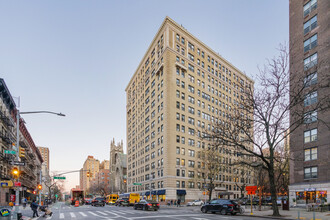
267 216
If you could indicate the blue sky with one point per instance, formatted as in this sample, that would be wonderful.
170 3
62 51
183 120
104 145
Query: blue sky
77 57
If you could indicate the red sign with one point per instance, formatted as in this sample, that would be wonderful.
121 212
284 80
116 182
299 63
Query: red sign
12 197
17 184
251 188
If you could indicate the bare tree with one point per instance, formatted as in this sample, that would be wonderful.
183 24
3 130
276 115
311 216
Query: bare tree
259 120
209 168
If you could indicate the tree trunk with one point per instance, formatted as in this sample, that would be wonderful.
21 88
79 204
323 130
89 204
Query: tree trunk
273 191
210 194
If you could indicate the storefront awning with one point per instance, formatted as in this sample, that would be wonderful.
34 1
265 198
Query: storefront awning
152 193
225 193
181 192
161 192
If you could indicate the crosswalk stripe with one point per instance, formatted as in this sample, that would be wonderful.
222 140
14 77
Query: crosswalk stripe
119 212
61 215
93 213
101 212
83 214
72 215
112 213
130 212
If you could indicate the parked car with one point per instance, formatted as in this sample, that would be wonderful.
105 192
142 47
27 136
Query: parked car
223 206
98 201
147 205
88 201
122 202
195 202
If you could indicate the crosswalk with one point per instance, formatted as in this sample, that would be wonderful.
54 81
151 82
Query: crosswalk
106 213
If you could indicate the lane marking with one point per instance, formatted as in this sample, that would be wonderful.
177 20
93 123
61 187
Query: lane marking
122 213
164 216
72 215
112 213
93 213
102 213
83 214
61 215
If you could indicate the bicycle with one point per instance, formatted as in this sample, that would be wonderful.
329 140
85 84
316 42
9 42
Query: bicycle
241 210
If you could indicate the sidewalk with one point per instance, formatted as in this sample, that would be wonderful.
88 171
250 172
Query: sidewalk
292 214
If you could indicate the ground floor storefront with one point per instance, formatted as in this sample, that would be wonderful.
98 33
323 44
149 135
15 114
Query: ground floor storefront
303 194
185 195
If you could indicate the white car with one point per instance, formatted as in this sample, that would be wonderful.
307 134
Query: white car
196 202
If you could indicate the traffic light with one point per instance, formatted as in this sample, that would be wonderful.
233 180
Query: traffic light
34 192
40 187
15 172
21 152
125 180
88 174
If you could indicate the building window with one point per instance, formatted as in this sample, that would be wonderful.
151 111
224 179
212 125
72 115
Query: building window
310 24
311 154
177 184
310 172
310 98
311 79
177 172
310 43
310 135
310 117
183 184
310 6
191 185
177 150
178 161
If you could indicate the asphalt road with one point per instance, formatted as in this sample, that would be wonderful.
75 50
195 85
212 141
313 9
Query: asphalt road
64 212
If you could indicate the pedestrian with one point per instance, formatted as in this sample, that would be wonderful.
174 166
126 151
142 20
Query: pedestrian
178 203
23 201
171 202
34 206
174 202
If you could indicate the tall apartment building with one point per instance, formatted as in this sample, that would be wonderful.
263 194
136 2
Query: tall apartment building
181 86
44 151
309 61
92 165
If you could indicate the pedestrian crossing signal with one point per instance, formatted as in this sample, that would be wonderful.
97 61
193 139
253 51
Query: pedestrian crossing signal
39 186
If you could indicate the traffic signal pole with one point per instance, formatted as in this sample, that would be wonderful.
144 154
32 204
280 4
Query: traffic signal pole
40 183
16 209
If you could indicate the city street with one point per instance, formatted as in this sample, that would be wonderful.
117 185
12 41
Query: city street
62 211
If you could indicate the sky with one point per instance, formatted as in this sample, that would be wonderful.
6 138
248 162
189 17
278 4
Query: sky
77 57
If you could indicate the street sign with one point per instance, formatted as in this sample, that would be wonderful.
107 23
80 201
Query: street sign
10 152
17 163
137 184
59 177
17 183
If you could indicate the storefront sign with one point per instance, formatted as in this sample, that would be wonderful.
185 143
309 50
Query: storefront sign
12 197
310 189
6 183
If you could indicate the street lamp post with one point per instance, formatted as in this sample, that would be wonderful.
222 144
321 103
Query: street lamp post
18 113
